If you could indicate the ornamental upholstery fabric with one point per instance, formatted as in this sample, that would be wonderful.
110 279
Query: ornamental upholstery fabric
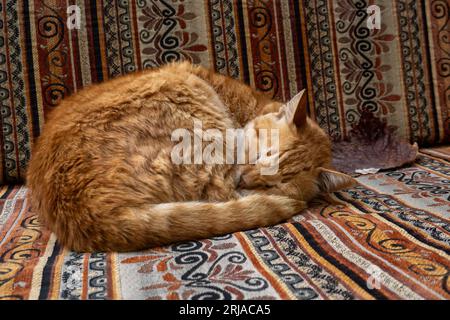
390 241
399 73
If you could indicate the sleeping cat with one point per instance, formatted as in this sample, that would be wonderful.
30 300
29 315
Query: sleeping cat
101 176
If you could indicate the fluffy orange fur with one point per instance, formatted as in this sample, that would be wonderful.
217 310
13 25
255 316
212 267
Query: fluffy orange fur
101 175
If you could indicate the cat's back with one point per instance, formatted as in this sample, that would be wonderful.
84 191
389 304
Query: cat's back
118 133
152 102
171 83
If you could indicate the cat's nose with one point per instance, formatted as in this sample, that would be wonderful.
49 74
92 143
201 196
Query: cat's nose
243 181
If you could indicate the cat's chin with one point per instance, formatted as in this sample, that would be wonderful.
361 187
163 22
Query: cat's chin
245 192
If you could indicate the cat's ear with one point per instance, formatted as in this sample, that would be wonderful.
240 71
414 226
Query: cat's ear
295 110
331 181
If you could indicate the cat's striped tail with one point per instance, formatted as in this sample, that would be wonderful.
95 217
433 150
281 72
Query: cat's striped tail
159 224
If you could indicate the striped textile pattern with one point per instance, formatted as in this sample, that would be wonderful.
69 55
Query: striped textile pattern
391 240
399 73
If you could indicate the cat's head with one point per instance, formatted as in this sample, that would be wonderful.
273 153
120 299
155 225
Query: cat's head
302 152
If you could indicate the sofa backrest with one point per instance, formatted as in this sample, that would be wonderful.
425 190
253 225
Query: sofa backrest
399 72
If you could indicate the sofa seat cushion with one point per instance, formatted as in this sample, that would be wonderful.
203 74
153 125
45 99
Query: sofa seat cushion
389 239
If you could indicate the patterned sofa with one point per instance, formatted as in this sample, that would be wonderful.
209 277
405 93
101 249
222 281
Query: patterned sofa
390 237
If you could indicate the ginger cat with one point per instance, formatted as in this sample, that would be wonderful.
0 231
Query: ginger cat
101 175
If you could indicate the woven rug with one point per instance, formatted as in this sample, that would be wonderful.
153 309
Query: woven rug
391 240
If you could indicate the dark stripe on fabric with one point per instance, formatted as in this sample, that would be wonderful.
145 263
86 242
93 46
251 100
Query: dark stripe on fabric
76 56
301 72
4 92
430 75
324 254
136 39
8 191
47 273
244 58
96 41
353 202
31 83
211 30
